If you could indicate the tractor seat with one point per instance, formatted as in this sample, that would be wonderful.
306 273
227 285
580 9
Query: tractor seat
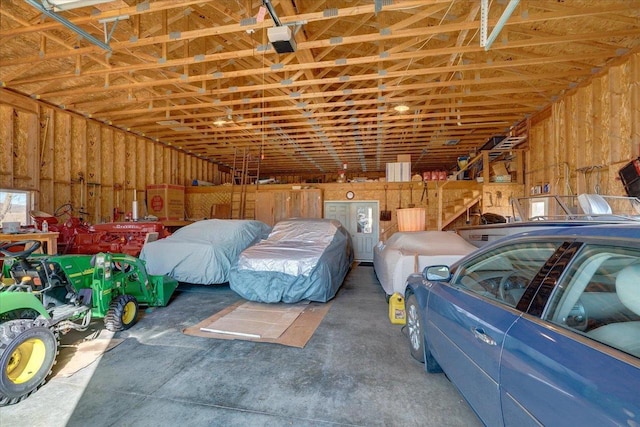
17 248
41 216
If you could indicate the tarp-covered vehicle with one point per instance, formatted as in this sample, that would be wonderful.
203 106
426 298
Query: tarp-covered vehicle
407 252
203 252
302 259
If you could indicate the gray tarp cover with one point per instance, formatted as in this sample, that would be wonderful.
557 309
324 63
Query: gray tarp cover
203 252
302 259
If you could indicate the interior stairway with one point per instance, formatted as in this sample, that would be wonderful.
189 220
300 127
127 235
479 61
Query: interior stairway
460 207
454 201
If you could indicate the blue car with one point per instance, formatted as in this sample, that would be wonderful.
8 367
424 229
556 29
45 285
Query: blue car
542 328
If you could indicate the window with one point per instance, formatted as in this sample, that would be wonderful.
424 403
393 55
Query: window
364 220
504 272
15 206
598 297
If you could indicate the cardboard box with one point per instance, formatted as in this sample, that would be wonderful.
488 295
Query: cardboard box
404 158
166 201
499 168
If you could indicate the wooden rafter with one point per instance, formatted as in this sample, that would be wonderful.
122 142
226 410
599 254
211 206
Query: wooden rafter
176 66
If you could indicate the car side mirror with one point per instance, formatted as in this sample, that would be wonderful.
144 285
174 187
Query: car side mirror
436 273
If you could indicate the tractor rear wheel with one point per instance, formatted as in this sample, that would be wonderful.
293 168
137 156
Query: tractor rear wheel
122 314
28 350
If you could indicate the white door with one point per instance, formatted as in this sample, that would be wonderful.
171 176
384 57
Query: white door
361 219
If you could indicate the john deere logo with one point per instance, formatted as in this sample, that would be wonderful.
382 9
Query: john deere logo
157 203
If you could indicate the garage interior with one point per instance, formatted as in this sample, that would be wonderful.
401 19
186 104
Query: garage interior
437 110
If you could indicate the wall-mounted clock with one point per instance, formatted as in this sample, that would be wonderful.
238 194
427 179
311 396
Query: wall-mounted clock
350 195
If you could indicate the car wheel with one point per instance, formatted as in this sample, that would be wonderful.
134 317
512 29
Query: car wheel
27 353
417 340
414 325
122 314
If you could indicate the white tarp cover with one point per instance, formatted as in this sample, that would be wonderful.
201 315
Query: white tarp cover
203 252
302 259
408 252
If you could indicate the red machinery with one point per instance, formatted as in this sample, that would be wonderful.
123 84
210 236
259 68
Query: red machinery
78 237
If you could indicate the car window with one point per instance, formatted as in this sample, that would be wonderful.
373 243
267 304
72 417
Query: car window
599 297
504 272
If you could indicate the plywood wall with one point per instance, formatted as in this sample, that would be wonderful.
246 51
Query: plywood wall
582 141
199 200
66 158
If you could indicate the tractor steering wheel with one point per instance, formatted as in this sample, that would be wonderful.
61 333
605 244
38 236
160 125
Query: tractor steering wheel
30 245
66 209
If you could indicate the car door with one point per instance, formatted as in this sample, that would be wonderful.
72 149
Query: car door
565 368
469 318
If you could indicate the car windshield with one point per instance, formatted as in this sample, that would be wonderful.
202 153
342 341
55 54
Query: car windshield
504 272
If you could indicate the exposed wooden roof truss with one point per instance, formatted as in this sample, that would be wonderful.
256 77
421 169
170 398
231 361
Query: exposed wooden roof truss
176 67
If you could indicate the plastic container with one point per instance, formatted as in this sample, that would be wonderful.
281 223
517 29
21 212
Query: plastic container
397 313
45 226
411 219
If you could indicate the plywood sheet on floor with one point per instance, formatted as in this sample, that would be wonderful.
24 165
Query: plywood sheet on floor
286 324
255 320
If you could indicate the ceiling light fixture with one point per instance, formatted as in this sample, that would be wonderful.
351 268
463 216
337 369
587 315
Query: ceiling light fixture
401 108
59 5
219 122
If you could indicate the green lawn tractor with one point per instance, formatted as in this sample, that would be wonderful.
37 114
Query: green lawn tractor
43 296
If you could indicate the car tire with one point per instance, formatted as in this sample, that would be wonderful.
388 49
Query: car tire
28 351
122 314
417 342
414 327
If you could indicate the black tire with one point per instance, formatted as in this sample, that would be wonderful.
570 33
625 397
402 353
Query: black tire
417 341
414 326
28 350
122 314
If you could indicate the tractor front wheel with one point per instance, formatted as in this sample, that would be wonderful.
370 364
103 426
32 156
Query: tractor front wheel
122 314
28 351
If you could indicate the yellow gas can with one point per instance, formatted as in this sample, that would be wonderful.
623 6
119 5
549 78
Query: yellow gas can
397 313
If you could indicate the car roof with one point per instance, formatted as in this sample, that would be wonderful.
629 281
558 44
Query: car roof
622 231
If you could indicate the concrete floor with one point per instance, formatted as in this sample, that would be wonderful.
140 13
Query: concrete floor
356 370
